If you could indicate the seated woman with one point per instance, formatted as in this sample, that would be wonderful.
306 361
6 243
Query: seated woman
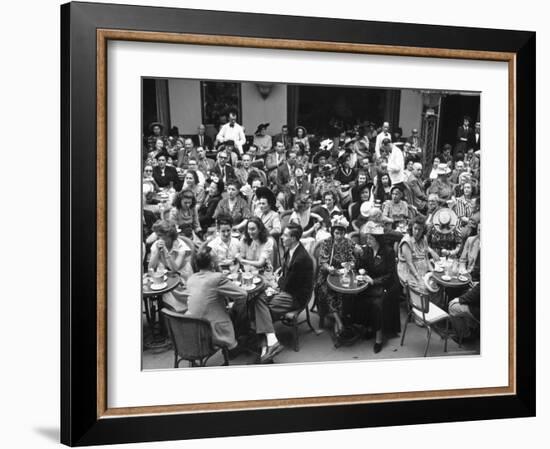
329 208
396 209
224 245
470 256
301 137
170 253
334 250
362 179
443 236
413 255
377 308
464 205
382 192
256 247
267 212
309 221
441 186
434 173
262 140
184 215
432 207
191 182
234 206
359 209
210 203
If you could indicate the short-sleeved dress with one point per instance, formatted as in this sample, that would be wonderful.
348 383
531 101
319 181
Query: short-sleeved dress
419 251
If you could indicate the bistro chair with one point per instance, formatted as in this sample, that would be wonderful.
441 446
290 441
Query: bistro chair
192 339
427 314
291 319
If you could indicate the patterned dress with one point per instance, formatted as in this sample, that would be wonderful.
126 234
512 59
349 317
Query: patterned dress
332 254
419 252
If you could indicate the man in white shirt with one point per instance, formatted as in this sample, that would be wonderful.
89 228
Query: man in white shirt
396 163
385 134
232 131
224 245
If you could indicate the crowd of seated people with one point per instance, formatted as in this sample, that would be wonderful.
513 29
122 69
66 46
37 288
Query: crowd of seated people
362 196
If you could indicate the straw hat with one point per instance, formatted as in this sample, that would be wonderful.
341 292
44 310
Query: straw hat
326 145
365 209
430 283
444 220
372 228
443 169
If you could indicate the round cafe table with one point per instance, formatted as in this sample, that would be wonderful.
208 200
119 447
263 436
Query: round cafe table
454 282
334 282
172 281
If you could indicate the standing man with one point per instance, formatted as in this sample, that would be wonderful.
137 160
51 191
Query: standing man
201 139
384 134
464 136
477 137
284 137
232 131
396 164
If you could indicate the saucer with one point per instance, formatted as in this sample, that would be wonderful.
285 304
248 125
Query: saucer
462 278
438 270
158 286
446 277
257 280
249 287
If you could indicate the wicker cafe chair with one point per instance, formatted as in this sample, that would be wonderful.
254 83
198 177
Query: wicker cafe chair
192 339
291 319
425 313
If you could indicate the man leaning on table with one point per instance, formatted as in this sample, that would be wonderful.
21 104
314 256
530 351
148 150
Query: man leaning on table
208 290
295 285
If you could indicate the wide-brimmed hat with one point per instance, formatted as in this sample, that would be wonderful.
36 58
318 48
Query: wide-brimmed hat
153 124
444 220
372 228
327 169
396 187
365 209
339 221
261 126
326 144
430 283
443 169
302 128
322 153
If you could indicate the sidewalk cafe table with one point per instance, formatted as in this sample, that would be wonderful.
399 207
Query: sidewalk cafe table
152 304
334 282
457 281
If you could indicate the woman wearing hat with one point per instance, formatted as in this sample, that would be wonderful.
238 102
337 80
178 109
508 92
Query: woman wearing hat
442 186
309 221
360 209
335 250
262 140
300 135
377 308
413 255
327 183
443 236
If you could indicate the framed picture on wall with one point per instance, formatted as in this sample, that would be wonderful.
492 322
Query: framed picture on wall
275 245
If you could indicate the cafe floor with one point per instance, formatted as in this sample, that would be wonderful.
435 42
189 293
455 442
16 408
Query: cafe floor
320 348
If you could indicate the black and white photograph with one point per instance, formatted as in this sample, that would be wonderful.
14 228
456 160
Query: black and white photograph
301 223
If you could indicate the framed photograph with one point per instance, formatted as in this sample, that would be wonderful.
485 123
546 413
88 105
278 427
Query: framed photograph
273 224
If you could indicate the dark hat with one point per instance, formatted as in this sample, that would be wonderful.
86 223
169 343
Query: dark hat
327 169
153 124
261 126
264 192
322 153
302 128
396 187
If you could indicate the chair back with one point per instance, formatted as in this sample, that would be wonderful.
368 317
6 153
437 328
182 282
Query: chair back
417 300
191 336
315 256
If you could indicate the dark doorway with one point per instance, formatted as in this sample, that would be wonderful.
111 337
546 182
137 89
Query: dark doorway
149 104
325 110
453 110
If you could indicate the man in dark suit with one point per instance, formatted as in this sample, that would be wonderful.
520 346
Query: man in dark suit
476 140
415 140
222 169
295 286
164 174
285 172
284 136
464 137
201 139
187 152
204 164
